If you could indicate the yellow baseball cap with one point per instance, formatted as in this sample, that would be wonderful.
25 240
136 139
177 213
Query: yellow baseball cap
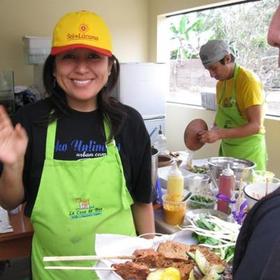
82 29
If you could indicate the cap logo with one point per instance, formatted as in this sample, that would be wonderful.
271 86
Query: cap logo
83 27
82 35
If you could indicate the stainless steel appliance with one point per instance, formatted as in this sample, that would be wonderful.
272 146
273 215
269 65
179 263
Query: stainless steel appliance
7 98
144 86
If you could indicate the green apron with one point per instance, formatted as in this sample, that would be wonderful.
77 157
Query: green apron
251 147
76 200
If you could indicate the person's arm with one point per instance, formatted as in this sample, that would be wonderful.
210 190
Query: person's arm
262 255
254 117
13 143
273 35
143 215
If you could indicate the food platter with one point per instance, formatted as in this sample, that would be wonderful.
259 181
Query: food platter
191 138
110 244
119 256
131 245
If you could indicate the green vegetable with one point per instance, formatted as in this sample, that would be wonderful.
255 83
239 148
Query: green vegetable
201 201
191 275
211 275
210 272
199 169
201 198
202 262
212 232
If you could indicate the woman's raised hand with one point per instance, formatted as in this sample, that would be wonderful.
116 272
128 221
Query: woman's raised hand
13 140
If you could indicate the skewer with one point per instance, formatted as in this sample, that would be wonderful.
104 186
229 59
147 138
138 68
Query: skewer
84 258
78 268
85 268
266 186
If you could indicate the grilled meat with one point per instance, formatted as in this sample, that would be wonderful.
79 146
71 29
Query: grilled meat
174 250
132 271
168 254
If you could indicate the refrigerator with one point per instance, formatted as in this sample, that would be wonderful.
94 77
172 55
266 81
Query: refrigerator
144 86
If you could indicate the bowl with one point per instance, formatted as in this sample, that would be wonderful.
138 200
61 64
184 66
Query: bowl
198 201
256 191
262 176
164 160
242 168
191 139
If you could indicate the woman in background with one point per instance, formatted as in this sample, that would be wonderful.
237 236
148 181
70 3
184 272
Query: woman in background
80 159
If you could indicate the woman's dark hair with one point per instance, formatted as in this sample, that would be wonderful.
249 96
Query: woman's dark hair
108 106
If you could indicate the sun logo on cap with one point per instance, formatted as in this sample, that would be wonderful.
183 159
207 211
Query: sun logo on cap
83 27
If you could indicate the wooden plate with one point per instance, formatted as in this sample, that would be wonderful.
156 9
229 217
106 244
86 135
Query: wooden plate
191 134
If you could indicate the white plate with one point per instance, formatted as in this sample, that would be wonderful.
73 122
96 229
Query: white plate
195 212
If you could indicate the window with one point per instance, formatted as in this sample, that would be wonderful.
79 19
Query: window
244 26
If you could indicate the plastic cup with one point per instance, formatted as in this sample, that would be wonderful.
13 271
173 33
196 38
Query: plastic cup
174 211
198 184
262 176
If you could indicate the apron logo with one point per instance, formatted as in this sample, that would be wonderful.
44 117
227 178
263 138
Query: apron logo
84 209
228 124
228 102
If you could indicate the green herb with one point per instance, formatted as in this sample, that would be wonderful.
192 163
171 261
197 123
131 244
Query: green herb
199 169
213 232
201 198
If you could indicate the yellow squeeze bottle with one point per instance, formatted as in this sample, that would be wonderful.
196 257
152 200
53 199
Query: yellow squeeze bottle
175 184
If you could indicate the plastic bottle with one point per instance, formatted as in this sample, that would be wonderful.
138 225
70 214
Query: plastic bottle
161 142
226 188
175 184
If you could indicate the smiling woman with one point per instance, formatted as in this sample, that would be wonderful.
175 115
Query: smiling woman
82 73
80 158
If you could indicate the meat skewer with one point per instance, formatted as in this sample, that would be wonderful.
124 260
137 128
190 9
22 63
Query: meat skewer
78 268
85 258
143 261
120 267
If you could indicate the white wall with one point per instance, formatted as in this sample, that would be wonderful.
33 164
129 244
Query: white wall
127 19
177 118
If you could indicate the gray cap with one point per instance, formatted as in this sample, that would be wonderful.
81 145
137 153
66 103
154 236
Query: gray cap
213 51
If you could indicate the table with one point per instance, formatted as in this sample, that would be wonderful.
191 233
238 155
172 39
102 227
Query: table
17 243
